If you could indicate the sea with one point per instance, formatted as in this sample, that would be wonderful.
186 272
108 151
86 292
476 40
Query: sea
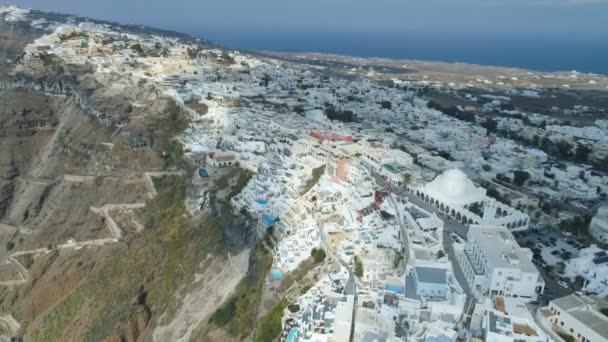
536 52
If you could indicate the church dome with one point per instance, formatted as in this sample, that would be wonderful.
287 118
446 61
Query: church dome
454 187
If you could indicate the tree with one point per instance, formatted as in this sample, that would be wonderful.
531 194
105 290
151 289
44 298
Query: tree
266 80
520 177
406 178
386 105
137 48
581 154
490 124
318 255
358 267
578 225
564 149
440 254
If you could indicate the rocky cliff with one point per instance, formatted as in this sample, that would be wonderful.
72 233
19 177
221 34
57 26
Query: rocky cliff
95 253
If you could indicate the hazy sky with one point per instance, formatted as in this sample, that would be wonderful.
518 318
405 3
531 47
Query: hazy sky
570 18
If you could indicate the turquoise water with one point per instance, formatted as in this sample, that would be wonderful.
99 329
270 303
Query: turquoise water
203 173
292 334
276 273
395 288
262 201
268 220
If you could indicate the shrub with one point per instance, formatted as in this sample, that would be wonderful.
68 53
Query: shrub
358 267
270 327
318 255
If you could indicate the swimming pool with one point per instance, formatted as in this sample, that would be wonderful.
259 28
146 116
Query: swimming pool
262 201
203 173
292 334
276 273
268 220
395 288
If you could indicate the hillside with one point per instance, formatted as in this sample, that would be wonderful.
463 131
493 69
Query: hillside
93 225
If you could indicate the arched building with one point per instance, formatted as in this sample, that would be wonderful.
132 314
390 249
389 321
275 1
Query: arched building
454 194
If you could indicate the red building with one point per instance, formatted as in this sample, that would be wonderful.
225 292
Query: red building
327 136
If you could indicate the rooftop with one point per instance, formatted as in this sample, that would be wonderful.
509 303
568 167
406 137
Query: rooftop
431 275
501 249
586 310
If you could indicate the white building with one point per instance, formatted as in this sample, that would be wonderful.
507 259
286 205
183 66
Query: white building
500 327
591 264
579 317
599 224
377 157
456 195
495 265
509 320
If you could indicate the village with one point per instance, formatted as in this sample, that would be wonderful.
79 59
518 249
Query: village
440 229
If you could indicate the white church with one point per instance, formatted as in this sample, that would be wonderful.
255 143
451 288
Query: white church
455 194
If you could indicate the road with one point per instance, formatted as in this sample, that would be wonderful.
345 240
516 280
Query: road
351 285
450 226
404 240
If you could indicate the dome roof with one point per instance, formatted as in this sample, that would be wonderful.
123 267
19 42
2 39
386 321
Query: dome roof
454 187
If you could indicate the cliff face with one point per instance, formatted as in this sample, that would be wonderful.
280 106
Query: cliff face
95 258
14 36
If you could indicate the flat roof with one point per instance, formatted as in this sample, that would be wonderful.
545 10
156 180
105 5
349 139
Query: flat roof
500 324
501 249
585 310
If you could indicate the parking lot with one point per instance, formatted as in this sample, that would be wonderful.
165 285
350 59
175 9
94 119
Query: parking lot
552 250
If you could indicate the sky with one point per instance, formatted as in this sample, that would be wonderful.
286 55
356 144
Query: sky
571 18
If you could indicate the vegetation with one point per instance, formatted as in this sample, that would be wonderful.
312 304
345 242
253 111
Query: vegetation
237 314
338 115
240 177
490 125
497 196
520 177
452 111
358 267
578 225
406 178
566 337
297 275
476 209
157 262
604 311
139 49
318 255
581 153
270 327
386 105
